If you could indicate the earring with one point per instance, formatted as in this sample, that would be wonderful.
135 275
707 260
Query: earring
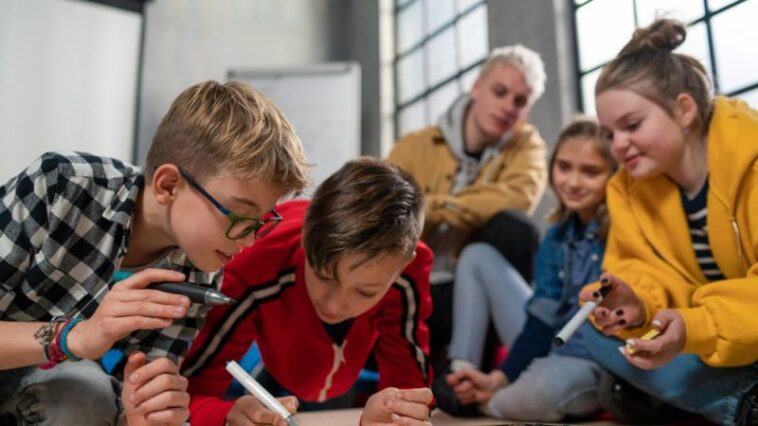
686 131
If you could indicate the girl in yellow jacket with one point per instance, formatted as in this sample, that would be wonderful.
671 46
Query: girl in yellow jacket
682 253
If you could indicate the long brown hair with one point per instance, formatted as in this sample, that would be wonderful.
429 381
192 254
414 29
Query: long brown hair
648 66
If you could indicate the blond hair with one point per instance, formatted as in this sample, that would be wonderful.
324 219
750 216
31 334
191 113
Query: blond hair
526 60
213 128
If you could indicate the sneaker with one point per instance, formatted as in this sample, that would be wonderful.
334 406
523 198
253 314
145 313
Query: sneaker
747 415
448 402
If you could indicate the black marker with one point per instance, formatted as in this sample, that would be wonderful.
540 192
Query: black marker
196 293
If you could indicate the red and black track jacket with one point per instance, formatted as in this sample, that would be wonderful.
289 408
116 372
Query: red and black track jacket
274 310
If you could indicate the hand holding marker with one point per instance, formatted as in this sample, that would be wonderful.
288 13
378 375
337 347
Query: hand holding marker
578 319
259 392
652 334
196 293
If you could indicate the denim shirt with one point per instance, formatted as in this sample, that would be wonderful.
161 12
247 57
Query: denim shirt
569 257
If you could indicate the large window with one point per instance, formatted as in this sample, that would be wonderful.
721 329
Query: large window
439 45
721 34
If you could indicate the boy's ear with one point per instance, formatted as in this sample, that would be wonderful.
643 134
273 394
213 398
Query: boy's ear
685 110
166 179
410 258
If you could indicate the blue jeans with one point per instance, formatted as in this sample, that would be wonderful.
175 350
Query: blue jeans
686 382
550 389
71 393
486 286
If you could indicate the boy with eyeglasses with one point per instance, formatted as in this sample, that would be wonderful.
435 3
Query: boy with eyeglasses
341 277
70 222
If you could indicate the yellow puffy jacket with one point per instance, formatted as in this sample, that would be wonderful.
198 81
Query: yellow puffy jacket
649 245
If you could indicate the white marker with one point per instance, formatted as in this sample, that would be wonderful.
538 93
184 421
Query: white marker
259 392
577 320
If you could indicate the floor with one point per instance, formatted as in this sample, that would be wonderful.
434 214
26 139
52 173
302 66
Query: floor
351 417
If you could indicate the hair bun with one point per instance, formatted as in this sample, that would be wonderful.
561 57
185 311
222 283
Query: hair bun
663 34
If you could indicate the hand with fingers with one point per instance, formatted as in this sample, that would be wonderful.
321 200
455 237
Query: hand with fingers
154 393
619 309
128 307
395 407
474 386
659 351
248 411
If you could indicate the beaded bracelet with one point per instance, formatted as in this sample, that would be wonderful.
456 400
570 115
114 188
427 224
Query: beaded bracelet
46 334
55 354
64 339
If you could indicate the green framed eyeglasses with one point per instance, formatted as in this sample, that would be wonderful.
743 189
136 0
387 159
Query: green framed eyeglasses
240 226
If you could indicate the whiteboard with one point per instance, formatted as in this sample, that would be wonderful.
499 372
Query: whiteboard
323 103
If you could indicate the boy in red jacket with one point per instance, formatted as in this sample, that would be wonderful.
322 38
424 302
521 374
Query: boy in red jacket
339 277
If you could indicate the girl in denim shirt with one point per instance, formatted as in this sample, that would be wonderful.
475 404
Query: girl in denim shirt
538 381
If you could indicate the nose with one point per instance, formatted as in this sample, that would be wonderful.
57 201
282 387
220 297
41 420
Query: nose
246 241
333 304
620 141
573 179
619 145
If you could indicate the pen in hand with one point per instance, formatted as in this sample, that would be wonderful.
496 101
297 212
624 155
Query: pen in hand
578 319
196 293
259 392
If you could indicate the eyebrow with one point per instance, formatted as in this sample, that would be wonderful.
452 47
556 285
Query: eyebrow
624 117
246 202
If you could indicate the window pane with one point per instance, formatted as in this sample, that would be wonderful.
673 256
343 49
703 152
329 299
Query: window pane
588 92
718 4
409 27
683 10
473 41
734 35
410 76
464 5
412 118
468 78
438 13
440 55
750 97
439 101
696 45
603 28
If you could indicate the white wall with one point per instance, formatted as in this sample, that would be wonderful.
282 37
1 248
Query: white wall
68 73
188 41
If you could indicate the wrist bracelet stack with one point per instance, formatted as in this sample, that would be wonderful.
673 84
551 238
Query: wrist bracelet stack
53 337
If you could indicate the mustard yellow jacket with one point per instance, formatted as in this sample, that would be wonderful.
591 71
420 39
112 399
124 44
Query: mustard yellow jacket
649 245
515 179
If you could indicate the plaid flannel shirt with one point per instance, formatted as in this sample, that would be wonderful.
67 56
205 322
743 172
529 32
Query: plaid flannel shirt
64 228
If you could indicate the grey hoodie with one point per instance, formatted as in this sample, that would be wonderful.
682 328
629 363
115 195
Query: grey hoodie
445 240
